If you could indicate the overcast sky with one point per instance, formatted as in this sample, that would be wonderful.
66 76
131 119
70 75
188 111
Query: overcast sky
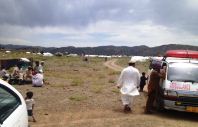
82 23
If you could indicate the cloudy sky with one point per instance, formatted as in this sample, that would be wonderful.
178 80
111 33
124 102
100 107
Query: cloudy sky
82 23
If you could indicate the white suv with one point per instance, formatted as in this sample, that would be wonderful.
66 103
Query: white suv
13 112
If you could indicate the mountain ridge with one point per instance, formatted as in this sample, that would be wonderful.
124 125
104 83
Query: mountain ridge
141 50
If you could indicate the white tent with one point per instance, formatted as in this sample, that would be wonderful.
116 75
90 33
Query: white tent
91 55
104 56
139 58
47 54
73 55
25 59
7 51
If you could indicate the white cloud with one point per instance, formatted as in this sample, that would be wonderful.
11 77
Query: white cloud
192 4
101 33
98 22
16 41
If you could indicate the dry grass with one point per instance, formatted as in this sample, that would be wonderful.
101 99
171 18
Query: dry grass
97 88
142 66
112 81
78 97
111 72
77 82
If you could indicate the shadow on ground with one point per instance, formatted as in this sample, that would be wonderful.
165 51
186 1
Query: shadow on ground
177 115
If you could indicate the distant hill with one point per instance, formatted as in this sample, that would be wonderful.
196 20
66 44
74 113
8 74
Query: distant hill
104 50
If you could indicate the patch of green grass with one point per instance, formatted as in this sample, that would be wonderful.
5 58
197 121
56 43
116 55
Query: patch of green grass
78 97
115 90
77 82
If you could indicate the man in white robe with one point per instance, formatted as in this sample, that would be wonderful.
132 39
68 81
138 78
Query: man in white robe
129 82
37 80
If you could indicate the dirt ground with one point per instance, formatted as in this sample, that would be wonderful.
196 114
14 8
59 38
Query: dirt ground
83 94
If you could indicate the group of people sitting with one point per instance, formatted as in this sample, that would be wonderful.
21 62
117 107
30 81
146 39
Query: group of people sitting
21 75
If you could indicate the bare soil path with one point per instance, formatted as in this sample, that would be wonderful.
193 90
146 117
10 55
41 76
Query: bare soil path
112 65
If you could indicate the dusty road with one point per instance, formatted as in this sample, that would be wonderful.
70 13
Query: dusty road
112 65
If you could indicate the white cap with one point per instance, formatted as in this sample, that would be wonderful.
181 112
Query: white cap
40 71
132 61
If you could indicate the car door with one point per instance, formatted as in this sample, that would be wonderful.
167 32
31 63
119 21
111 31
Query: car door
12 110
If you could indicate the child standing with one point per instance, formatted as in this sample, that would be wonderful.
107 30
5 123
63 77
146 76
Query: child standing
142 81
30 104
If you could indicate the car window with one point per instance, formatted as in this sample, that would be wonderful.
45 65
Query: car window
9 101
186 72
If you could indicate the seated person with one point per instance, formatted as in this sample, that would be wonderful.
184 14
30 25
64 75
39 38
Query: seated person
28 74
37 80
16 76
15 73
42 65
4 74
37 68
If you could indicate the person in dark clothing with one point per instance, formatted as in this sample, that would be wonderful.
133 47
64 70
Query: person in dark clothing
152 87
142 81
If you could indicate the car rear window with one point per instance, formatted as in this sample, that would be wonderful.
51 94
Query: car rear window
9 101
187 72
